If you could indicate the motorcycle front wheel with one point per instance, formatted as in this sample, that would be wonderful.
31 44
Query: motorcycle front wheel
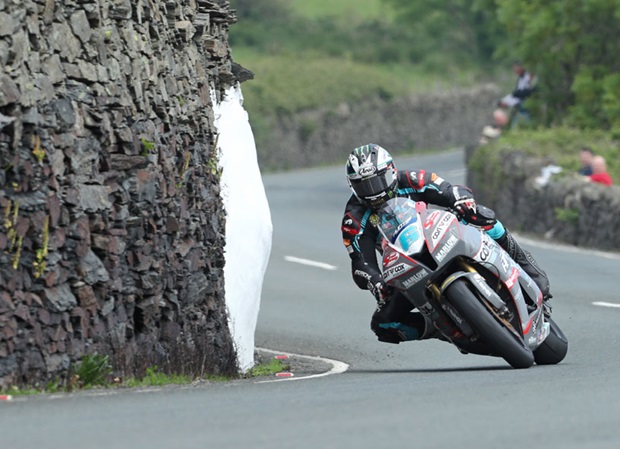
554 348
492 331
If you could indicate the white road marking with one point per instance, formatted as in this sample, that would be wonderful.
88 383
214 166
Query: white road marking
310 263
606 304
337 367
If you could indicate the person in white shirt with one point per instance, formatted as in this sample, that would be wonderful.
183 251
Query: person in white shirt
524 88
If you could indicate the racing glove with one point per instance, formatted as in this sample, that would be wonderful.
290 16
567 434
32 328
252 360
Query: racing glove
466 207
379 290
468 210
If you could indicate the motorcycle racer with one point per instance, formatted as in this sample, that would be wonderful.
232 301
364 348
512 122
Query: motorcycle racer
374 179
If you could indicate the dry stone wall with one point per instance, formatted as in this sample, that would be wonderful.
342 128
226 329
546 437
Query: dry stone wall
567 209
111 225
439 119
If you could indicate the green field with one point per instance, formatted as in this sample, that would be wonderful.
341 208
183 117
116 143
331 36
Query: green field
287 83
356 9
321 53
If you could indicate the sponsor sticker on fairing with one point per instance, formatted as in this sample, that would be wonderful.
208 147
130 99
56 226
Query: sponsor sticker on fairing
446 248
395 271
430 220
484 287
415 278
485 250
390 259
441 229
505 261
510 282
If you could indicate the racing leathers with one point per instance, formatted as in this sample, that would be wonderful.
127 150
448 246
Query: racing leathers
394 321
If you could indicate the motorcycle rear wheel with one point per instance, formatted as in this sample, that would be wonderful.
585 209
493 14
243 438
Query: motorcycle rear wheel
503 342
554 348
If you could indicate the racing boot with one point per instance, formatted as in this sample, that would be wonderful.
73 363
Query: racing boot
409 327
527 262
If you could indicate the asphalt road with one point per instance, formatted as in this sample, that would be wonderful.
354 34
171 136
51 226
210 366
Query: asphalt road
419 394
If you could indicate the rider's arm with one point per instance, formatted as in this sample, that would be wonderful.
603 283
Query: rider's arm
359 238
433 188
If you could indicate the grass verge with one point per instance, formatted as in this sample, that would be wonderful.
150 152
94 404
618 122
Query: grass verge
97 373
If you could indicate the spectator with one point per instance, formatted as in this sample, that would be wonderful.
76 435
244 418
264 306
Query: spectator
492 132
599 171
585 156
524 88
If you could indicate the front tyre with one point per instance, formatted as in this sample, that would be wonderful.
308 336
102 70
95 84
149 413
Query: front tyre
503 342
554 348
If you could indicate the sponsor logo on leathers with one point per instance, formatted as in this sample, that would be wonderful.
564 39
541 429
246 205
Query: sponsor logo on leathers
374 219
362 274
350 231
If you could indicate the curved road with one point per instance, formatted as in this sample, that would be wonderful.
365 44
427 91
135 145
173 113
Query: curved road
419 394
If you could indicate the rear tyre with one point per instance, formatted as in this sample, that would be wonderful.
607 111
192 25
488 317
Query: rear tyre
503 342
554 348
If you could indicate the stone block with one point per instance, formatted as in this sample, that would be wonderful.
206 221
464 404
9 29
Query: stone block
80 25
9 92
60 298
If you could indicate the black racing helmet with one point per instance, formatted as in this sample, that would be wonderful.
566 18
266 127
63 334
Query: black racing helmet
371 175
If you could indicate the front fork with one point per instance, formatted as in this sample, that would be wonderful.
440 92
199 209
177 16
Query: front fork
490 298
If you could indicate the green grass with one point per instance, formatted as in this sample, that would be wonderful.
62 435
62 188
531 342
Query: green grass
287 83
265 369
363 9
154 378
95 372
94 369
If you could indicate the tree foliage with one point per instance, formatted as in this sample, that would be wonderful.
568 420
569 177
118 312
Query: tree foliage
467 30
574 47
571 45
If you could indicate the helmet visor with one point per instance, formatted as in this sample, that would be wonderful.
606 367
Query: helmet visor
369 187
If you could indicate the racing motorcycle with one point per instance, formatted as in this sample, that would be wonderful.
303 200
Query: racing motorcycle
466 285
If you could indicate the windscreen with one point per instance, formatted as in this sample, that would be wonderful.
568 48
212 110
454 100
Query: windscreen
399 225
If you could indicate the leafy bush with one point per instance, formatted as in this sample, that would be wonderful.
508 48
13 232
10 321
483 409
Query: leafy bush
94 369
